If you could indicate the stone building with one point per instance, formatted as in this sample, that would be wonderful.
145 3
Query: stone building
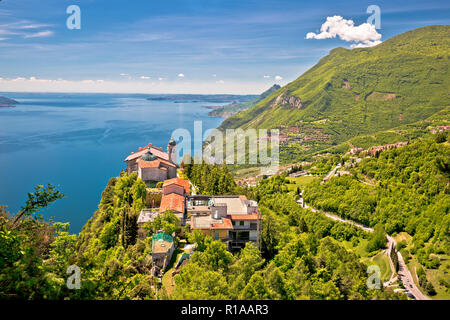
152 163
174 197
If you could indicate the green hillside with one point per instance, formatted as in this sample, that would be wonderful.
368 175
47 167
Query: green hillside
360 91
233 108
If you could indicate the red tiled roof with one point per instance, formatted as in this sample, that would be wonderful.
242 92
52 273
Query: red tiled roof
149 164
178 181
226 224
252 216
167 162
155 163
173 202
155 150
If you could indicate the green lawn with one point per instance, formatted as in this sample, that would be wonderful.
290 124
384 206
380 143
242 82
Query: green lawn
434 276
300 182
167 277
382 261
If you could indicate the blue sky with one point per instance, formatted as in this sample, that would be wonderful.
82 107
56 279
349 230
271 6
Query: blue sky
180 46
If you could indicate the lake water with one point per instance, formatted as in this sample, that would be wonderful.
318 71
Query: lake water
78 141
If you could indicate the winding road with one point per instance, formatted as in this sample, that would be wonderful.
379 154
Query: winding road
403 272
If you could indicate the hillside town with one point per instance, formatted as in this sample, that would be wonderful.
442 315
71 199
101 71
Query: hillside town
233 219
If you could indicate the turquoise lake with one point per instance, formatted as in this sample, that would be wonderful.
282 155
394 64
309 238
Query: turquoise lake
78 141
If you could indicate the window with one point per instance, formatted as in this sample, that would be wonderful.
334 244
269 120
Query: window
241 223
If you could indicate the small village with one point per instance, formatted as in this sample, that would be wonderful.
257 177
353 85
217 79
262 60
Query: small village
303 169
233 219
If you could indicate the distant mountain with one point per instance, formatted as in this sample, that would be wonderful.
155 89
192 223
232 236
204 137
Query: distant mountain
233 108
6 102
357 92
213 98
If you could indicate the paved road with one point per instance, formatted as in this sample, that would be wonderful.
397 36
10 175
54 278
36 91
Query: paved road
331 173
408 281
403 271
337 218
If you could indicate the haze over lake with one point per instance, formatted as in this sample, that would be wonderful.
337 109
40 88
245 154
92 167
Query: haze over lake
78 141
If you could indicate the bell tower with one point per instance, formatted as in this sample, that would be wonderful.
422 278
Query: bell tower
172 150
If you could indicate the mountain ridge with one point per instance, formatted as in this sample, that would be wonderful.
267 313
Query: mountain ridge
352 92
233 108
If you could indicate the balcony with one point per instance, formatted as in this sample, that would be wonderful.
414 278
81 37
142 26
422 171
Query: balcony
252 226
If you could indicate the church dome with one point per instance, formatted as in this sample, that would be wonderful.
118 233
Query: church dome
148 156
172 142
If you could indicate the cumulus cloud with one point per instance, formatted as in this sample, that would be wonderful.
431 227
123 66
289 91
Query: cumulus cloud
266 77
124 74
145 77
278 78
180 75
220 82
364 35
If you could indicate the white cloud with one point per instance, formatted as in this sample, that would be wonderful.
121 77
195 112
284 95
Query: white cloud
145 37
180 75
160 79
364 45
124 74
32 26
22 84
364 35
40 34
266 77
145 77
278 78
